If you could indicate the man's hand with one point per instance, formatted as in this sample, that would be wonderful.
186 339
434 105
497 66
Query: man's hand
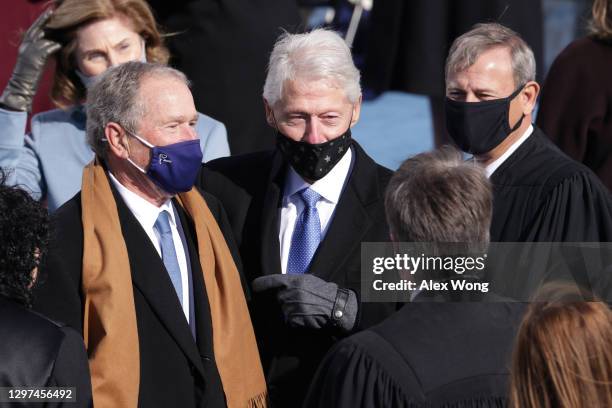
310 302
34 51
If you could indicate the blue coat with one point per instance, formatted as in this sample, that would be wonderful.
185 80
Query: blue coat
49 163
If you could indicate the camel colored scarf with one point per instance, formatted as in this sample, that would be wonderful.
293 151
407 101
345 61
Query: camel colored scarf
109 321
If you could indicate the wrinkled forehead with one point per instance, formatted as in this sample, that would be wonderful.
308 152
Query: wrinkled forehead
312 89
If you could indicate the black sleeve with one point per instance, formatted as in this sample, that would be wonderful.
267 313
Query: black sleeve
351 377
58 292
578 209
71 369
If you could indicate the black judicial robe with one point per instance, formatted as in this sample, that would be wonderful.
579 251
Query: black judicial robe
427 354
541 195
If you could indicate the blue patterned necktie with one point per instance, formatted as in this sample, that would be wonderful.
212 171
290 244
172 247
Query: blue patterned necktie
306 235
162 225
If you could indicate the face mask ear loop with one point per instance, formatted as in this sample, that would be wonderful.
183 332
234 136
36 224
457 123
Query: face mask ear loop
141 140
520 121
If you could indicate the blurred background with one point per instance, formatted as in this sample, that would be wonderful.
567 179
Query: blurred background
399 46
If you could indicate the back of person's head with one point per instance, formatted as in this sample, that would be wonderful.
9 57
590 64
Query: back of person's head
23 242
71 15
439 197
466 49
600 24
563 353
320 54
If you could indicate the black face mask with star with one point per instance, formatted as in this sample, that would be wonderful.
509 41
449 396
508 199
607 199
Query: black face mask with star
313 161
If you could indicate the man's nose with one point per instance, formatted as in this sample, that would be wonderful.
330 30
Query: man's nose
471 97
312 132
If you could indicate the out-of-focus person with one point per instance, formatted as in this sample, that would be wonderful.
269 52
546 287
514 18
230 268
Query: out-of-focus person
143 264
445 348
34 351
223 47
562 356
85 37
576 104
539 193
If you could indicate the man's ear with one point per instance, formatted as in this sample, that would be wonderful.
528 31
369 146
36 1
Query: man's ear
117 140
269 114
529 96
356 111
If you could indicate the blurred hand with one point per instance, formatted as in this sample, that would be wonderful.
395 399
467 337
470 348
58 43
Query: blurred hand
34 52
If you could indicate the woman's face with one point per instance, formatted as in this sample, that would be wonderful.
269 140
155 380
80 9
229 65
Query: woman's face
106 43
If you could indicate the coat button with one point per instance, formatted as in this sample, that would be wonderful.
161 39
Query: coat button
206 359
338 314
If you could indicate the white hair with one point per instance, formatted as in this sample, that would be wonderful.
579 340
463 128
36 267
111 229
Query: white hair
319 54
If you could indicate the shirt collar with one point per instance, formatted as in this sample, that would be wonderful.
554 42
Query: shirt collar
145 212
329 187
491 167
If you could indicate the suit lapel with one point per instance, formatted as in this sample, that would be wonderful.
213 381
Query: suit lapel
351 219
270 247
150 277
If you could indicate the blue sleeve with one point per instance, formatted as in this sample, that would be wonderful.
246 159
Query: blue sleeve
213 138
18 156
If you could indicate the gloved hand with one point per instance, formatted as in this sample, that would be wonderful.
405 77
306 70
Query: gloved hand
34 51
310 302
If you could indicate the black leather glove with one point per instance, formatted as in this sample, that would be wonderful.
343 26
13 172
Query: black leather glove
310 302
34 51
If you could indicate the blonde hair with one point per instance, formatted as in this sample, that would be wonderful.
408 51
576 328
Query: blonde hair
71 15
562 357
600 24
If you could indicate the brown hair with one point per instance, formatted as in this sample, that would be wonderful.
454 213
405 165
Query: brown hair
439 197
600 24
563 355
70 15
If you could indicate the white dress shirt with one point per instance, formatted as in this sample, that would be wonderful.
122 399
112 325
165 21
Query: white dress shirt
329 188
490 169
146 213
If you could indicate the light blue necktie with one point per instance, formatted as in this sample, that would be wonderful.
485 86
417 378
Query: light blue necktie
162 225
306 235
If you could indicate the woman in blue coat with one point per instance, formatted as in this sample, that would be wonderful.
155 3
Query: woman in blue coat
86 37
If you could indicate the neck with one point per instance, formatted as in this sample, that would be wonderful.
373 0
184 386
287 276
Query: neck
492 155
137 182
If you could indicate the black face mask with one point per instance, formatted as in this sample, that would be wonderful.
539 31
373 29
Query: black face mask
313 161
479 127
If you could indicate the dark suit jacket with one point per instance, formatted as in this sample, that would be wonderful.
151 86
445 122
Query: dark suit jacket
175 370
37 352
251 190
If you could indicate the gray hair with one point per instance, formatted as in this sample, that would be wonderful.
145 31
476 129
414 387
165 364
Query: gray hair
439 197
467 48
115 98
319 54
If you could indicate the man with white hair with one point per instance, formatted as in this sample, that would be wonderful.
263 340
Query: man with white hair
301 211
540 194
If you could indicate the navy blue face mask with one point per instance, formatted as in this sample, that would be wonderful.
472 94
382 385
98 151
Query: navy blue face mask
173 167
